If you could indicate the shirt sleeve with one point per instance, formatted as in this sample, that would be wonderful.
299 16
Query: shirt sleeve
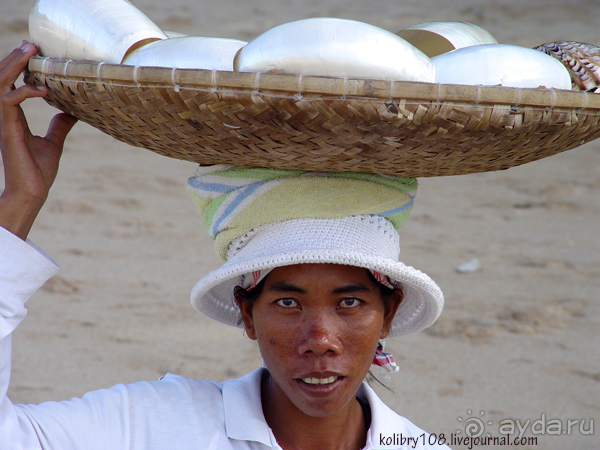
24 268
100 420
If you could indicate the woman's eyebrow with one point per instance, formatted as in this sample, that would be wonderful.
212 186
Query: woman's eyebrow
357 287
282 286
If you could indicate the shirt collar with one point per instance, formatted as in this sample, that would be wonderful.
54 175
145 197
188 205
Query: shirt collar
244 417
245 420
384 421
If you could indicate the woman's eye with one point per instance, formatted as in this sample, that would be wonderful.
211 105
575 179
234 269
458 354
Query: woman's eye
287 302
349 303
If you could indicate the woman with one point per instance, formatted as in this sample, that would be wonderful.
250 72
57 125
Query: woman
318 288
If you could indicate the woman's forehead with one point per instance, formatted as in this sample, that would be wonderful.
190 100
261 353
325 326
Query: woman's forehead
307 273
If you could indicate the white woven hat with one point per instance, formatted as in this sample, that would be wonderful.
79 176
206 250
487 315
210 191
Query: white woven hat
367 241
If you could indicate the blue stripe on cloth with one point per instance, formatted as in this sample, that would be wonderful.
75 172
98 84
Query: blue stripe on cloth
400 209
220 188
236 201
212 187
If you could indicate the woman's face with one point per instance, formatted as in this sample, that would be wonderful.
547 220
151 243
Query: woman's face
317 327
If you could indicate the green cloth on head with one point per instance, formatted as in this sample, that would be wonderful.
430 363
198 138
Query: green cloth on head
234 199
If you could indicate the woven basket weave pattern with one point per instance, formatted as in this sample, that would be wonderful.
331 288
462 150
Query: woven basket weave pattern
323 124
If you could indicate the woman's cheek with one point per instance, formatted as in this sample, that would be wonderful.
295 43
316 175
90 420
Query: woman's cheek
273 340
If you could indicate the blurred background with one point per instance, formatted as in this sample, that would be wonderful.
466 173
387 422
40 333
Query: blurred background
518 338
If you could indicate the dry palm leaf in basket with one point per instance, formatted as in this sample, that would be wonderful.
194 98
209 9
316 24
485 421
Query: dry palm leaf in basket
320 123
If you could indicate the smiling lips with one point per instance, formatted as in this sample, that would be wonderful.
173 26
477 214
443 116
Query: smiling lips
320 380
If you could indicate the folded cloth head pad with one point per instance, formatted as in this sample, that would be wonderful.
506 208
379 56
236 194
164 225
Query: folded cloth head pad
266 218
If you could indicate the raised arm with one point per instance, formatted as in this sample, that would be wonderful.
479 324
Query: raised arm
30 162
30 166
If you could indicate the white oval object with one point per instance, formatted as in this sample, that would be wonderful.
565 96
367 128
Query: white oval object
98 30
174 34
469 267
435 38
190 52
335 47
499 64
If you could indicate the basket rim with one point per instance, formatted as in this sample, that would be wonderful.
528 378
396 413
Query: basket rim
299 86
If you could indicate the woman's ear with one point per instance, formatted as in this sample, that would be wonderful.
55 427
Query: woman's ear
391 305
245 308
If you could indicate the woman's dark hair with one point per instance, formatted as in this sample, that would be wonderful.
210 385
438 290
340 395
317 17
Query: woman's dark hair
251 295
246 296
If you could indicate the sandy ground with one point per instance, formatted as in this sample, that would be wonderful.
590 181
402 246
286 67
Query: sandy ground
517 340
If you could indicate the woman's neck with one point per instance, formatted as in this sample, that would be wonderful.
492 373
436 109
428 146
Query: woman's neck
295 430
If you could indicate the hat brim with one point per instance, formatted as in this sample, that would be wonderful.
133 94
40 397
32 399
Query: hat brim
422 304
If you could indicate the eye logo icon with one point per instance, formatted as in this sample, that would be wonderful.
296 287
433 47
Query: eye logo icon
474 426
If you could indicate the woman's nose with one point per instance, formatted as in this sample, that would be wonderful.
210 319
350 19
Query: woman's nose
319 336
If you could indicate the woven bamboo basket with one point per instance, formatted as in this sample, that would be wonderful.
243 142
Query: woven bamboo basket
320 123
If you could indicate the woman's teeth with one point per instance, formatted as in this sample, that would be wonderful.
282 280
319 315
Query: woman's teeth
319 380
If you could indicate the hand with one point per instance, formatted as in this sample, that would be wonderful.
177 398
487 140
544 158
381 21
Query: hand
30 162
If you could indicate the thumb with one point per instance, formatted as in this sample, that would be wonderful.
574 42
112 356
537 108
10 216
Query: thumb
59 127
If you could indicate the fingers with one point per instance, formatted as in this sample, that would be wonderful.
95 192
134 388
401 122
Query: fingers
59 128
17 52
11 112
10 69
15 63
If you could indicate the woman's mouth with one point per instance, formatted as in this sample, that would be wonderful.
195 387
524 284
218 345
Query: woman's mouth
320 381
320 385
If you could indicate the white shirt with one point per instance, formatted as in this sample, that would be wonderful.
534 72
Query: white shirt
174 413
